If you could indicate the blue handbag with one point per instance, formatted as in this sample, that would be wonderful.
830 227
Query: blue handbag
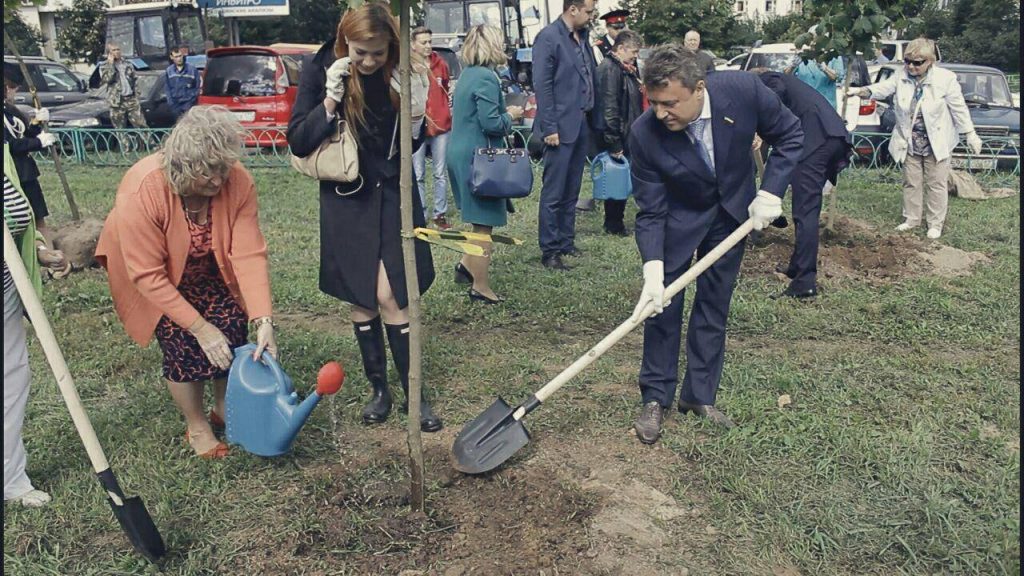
611 177
501 173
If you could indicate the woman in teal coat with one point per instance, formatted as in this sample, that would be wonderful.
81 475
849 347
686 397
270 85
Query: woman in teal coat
479 119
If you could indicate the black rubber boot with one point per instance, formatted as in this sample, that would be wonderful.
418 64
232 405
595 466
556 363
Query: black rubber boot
370 336
398 337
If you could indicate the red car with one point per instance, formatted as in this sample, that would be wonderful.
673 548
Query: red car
258 84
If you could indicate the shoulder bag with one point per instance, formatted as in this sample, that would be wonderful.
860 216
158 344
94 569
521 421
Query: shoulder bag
335 160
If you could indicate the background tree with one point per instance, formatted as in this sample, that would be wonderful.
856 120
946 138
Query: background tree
309 22
27 38
776 29
983 32
82 31
664 21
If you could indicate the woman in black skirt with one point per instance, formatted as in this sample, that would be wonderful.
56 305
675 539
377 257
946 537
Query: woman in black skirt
25 137
353 79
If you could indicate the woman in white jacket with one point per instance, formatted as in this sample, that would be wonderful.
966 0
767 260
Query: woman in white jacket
931 116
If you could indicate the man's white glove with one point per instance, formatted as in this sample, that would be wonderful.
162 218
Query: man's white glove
765 208
861 92
336 76
974 143
653 290
42 115
46 139
418 90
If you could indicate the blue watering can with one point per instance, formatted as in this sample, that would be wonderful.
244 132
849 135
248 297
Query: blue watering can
611 177
263 411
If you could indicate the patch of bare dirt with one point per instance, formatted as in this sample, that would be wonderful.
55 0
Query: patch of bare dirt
855 250
78 241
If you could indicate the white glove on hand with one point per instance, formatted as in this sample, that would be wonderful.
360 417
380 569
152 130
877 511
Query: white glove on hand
265 341
46 139
213 343
336 76
418 90
765 208
861 92
42 115
653 290
974 143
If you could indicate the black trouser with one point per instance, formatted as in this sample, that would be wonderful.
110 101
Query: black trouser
614 212
808 179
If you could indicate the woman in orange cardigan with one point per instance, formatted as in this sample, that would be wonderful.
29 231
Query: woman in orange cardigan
186 260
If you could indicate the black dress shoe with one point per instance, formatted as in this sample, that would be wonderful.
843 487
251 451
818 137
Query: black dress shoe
617 231
648 423
708 411
798 294
479 297
554 262
462 275
573 252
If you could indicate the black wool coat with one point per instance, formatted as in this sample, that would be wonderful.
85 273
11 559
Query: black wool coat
22 145
360 230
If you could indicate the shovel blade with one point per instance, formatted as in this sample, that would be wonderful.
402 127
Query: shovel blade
489 440
134 519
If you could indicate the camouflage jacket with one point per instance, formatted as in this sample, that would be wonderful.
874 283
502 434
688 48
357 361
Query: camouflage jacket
110 77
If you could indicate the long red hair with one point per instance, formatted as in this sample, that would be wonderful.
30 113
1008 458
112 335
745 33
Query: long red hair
365 23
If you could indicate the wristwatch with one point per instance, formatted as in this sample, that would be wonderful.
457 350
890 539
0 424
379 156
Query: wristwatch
257 323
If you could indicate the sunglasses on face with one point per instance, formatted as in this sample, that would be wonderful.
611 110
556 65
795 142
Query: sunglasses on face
617 26
910 62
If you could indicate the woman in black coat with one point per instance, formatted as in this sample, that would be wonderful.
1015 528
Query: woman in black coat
350 80
24 138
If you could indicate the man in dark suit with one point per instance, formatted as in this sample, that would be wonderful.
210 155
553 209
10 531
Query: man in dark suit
693 181
826 152
565 78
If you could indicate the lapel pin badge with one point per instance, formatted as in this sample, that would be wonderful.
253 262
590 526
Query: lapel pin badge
729 120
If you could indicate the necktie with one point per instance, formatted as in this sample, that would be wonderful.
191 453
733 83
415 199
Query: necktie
696 130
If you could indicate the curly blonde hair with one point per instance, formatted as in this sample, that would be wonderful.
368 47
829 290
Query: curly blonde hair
207 140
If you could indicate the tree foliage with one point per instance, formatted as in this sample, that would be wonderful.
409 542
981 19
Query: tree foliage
777 29
27 39
308 22
664 21
82 32
975 32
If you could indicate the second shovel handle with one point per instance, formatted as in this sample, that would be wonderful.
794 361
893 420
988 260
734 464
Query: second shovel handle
626 327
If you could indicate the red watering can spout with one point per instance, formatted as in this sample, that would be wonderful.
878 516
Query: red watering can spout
330 378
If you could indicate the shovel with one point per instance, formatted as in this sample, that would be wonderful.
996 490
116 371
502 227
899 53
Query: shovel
494 436
131 513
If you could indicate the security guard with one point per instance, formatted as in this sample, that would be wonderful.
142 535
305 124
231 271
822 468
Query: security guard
614 22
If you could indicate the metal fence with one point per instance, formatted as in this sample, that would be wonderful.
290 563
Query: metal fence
268 147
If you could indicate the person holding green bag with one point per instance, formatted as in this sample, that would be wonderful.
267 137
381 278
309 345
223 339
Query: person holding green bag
20 221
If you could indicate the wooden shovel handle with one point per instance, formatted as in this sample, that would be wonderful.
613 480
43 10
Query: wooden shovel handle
626 327
54 356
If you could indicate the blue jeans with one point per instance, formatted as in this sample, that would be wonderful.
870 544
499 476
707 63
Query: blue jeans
437 145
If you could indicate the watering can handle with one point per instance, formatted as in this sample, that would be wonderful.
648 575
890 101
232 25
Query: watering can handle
275 368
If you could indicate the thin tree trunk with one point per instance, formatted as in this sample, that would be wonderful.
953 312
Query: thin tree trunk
833 203
412 285
75 214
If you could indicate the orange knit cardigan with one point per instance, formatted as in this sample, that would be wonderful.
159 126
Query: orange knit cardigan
145 243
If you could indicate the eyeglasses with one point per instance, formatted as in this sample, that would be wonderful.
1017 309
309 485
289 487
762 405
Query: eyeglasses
617 26
910 62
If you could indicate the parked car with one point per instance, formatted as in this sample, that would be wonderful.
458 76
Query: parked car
995 118
780 57
55 83
94 112
734 63
893 50
258 84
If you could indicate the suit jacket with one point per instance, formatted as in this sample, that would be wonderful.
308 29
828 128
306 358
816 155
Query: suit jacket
559 81
818 118
145 242
678 196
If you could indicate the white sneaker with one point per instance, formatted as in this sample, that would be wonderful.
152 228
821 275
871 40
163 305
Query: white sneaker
905 226
33 499
934 233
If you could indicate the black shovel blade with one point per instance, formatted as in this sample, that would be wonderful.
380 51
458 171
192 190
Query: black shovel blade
489 440
135 520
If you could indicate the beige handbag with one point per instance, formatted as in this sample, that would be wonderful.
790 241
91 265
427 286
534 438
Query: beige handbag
335 160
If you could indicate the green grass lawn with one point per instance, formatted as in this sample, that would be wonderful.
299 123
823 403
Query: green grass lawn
899 453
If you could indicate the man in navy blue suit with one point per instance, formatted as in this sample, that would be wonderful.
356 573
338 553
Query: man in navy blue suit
693 181
826 152
564 77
